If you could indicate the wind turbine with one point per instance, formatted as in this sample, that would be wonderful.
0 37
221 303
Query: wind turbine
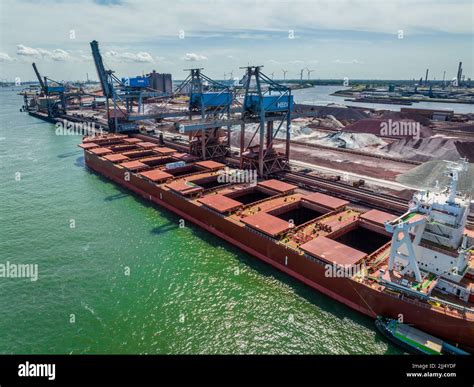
301 74
284 74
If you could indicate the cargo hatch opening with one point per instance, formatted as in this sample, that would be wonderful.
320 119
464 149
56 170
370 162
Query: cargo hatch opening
362 239
251 195
209 182
186 170
299 213
138 154
158 160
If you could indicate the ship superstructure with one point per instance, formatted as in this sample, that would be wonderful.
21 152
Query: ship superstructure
429 248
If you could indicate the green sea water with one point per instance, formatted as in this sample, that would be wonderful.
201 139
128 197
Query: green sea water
127 279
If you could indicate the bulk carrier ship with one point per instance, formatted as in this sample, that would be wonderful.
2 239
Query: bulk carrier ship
416 268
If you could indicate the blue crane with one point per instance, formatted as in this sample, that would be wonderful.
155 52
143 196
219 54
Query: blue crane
54 91
269 102
125 91
211 100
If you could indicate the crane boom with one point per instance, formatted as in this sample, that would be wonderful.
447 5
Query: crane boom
43 87
107 87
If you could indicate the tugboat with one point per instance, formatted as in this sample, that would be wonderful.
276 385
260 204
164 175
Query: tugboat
413 340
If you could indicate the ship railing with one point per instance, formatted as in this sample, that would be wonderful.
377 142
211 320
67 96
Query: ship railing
377 257
458 308
315 260
287 246
407 293
214 211
260 233
452 305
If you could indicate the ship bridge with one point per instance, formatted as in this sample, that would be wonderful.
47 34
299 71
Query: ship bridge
430 241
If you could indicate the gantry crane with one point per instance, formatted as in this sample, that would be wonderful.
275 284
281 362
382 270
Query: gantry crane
264 102
212 101
269 102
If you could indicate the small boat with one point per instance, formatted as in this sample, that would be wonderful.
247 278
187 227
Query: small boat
413 340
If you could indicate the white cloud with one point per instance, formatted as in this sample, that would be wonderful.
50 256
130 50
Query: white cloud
247 35
59 55
28 51
353 61
193 57
5 57
141 57
87 58
56 55
324 28
293 62
244 18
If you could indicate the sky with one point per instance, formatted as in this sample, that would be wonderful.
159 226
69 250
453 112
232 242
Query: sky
357 39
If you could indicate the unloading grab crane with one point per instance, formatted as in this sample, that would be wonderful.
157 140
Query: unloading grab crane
262 101
206 96
271 103
212 100
55 107
105 76
125 94
40 80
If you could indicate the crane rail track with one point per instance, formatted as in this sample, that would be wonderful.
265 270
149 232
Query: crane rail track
336 188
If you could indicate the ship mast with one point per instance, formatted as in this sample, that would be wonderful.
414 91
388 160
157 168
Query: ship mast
455 169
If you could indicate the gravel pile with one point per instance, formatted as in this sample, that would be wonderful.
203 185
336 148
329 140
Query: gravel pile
425 176
350 140
424 149
393 128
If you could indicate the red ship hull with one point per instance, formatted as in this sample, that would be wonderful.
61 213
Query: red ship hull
358 296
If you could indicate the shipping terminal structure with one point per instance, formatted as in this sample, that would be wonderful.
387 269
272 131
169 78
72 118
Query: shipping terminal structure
416 266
